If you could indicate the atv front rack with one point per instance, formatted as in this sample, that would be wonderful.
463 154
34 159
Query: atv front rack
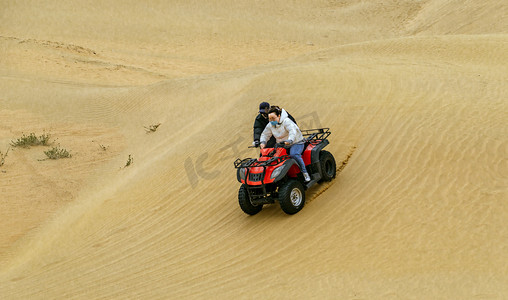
313 135
252 162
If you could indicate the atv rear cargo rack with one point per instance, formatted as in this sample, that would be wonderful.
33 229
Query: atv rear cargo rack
313 135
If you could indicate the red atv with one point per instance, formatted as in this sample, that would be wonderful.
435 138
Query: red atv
275 176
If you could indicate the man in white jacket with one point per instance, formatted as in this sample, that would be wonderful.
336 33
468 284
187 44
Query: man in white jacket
285 130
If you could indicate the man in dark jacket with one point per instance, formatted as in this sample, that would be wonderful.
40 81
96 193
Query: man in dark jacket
260 123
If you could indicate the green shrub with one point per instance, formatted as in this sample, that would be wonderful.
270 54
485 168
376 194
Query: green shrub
57 152
26 141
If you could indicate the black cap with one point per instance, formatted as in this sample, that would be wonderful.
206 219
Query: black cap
263 106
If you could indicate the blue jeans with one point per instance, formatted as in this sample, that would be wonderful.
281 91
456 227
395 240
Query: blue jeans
296 153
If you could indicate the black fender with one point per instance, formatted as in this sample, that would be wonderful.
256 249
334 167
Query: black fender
314 155
238 174
285 168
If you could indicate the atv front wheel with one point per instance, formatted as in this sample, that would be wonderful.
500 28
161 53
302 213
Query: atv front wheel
291 197
245 204
328 166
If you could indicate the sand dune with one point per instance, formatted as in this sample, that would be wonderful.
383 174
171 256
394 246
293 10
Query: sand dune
414 92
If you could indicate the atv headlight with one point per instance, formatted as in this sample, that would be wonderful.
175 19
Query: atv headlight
242 173
276 172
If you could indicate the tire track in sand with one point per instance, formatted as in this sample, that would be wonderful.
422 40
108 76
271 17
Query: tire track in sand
326 185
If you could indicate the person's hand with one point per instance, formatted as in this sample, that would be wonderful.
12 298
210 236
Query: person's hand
262 146
287 143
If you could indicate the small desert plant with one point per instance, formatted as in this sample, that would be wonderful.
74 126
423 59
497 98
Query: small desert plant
104 148
26 141
3 156
57 152
44 139
152 128
129 162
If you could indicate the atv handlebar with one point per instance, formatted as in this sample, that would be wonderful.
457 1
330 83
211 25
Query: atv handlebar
277 145
282 145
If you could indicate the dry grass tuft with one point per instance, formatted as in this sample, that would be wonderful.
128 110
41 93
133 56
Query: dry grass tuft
129 162
152 128
3 156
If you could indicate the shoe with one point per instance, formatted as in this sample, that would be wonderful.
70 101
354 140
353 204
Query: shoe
306 176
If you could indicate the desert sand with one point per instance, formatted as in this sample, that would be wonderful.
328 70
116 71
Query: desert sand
414 92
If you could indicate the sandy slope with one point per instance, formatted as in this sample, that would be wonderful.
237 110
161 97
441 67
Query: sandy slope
415 91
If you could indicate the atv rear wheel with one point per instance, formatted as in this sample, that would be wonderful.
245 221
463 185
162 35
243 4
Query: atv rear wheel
328 166
291 196
245 204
